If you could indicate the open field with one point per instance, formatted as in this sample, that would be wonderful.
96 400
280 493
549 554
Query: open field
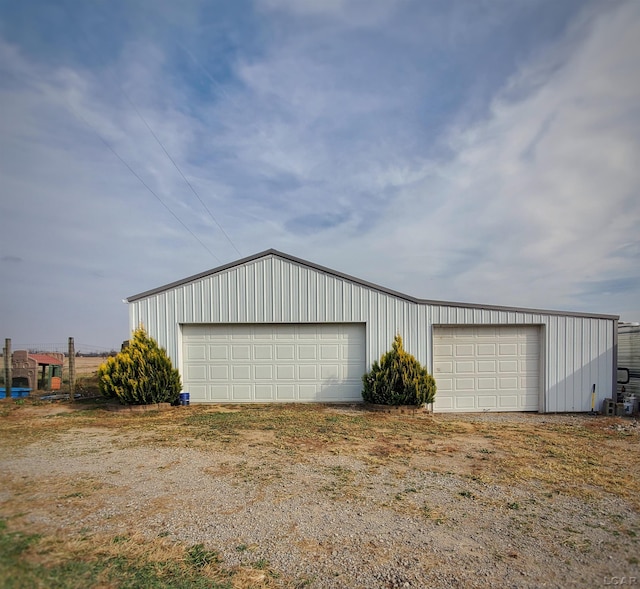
315 496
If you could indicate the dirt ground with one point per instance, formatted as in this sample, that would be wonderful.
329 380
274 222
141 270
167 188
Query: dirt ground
336 496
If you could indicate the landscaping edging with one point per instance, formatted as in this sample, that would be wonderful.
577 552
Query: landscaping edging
138 408
410 409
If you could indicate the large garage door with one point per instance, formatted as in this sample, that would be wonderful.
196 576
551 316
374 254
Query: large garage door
487 368
273 363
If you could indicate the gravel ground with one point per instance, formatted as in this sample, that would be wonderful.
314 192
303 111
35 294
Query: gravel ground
328 521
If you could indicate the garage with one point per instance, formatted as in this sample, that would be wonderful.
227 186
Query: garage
487 368
275 328
274 363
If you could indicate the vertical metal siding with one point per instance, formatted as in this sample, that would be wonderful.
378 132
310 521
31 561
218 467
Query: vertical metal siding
576 351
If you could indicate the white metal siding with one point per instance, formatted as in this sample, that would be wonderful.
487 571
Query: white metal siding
263 363
577 351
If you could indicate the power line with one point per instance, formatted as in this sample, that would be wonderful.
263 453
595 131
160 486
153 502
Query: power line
233 245
143 182
135 108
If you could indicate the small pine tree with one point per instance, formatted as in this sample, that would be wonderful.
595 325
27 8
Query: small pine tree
398 379
141 374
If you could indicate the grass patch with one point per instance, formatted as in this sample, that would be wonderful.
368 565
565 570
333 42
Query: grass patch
122 562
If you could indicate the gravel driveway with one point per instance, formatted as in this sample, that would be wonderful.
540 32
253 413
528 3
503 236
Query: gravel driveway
328 518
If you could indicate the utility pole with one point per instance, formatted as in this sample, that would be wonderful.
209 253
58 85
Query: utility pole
72 370
6 354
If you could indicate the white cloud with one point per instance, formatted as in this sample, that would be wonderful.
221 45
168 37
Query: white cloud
332 142
539 196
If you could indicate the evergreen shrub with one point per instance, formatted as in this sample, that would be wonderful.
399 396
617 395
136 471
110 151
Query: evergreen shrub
141 374
398 379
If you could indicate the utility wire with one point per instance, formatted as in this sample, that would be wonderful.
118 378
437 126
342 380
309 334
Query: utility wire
175 165
124 93
114 152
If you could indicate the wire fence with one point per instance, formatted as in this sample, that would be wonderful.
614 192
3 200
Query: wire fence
63 348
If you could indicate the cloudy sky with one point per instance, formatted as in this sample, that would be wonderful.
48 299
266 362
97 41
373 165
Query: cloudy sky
474 151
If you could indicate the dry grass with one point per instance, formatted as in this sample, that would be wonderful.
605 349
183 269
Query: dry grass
55 551
576 455
573 455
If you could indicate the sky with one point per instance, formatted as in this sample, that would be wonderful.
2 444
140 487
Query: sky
480 151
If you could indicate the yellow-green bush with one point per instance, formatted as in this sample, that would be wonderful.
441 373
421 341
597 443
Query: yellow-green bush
398 379
141 374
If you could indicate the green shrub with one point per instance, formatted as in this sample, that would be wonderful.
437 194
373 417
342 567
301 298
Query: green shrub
398 379
141 374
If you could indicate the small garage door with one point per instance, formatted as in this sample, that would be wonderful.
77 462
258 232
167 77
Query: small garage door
273 363
487 368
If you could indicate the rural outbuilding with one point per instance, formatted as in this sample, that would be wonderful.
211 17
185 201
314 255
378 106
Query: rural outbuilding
275 328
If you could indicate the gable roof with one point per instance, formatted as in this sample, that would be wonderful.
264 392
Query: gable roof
370 285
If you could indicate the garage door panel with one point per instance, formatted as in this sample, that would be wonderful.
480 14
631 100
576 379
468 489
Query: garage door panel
505 366
241 372
465 384
465 367
262 352
309 332
487 332
444 384
487 402
263 372
486 350
443 367
480 368
280 363
241 392
329 372
440 350
308 372
464 350
487 384
218 392
351 352
486 366
197 372
509 402
263 332
241 333
508 383
218 353
329 352
218 372
285 332
195 352
285 372
307 352
198 393
352 372
508 349
285 392
264 392
465 403
240 352
285 352
308 392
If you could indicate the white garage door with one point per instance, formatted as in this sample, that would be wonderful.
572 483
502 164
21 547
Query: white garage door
487 368
273 363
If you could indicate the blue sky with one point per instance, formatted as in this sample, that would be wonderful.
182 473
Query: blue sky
475 151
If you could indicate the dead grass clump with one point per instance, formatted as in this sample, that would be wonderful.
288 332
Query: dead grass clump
161 554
